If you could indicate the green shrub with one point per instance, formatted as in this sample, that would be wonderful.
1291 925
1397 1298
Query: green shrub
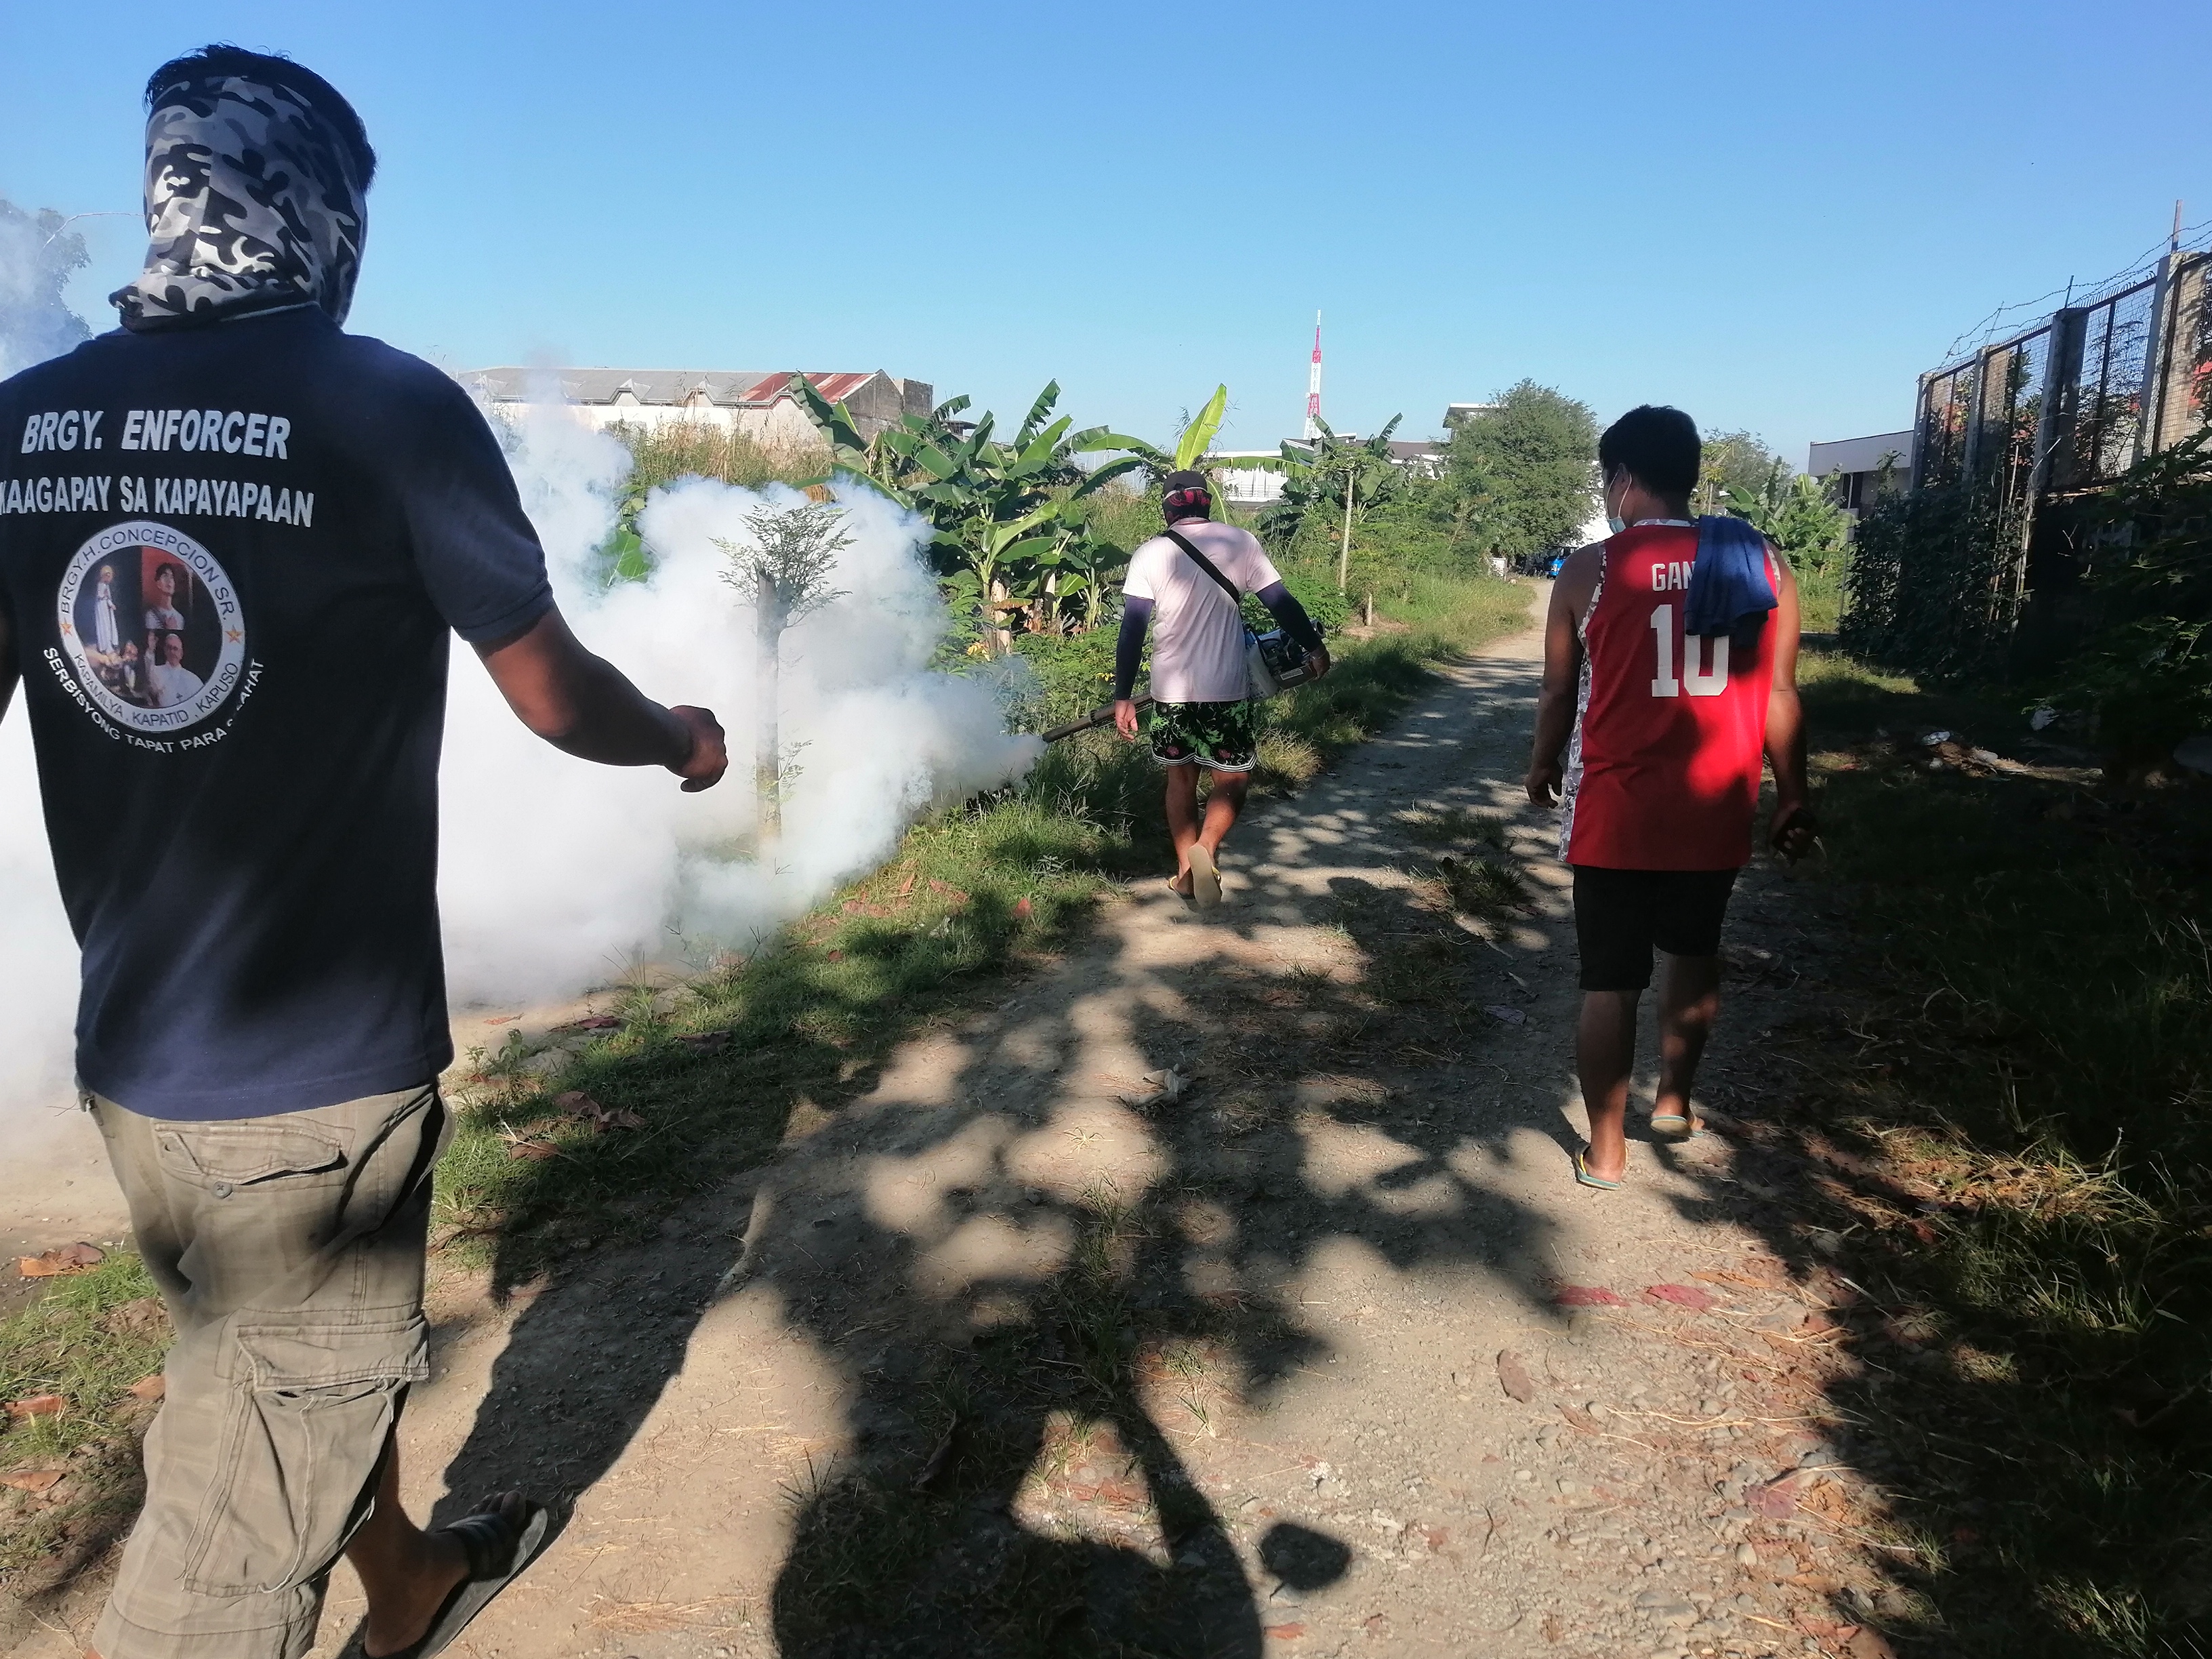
2146 672
1930 584
1074 671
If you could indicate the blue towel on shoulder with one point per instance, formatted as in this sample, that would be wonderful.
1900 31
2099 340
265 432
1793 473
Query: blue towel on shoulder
1731 592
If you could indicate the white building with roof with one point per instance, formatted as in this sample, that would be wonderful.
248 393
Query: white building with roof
1859 467
756 402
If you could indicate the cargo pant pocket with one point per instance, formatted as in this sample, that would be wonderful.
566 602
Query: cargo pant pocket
309 1406
222 1157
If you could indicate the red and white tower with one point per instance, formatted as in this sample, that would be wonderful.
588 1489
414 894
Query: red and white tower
1313 385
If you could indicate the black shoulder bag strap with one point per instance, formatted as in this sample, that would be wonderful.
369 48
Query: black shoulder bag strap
1236 598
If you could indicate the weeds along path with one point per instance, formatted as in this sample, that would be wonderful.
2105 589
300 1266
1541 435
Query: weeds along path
1221 1291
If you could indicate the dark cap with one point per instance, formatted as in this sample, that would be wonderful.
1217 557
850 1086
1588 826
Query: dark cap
1184 495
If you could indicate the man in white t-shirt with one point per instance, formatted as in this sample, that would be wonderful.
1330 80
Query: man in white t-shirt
1202 709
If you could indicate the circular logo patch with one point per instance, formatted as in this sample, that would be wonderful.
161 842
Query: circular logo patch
153 626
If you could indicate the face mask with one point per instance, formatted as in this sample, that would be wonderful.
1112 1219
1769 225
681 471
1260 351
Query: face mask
1614 522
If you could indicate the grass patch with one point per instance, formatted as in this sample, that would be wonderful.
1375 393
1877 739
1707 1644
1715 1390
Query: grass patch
1820 596
1374 678
86 1340
1455 826
2030 1080
719 1070
1484 887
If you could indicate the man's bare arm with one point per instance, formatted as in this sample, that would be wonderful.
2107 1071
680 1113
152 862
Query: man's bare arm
584 706
1793 827
1563 668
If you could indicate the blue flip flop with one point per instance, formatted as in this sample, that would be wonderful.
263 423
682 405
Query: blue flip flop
1583 1175
1677 1127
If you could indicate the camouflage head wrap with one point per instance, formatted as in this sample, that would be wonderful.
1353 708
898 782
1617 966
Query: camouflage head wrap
251 203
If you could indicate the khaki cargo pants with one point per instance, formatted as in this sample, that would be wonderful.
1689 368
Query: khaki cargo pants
289 1251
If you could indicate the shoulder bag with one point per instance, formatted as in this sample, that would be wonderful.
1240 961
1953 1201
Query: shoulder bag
1273 662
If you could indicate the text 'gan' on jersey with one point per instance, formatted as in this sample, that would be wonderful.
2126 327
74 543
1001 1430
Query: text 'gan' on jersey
230 559
1670 727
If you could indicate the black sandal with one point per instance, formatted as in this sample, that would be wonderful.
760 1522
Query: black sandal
498 1550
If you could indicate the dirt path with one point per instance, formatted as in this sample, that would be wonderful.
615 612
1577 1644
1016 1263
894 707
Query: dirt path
1012 1359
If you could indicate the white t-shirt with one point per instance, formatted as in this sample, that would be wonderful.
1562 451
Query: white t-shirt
1198 637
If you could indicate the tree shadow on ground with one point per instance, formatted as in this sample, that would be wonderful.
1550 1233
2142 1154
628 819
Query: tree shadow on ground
1040 1338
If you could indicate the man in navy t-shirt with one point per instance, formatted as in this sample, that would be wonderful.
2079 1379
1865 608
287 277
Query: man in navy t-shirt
246 841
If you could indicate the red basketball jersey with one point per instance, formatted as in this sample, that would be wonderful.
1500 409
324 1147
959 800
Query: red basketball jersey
1662 773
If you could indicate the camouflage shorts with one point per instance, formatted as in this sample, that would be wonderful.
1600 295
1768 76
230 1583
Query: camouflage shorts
1221 737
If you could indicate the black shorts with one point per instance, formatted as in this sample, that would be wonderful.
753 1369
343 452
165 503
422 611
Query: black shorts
1619 914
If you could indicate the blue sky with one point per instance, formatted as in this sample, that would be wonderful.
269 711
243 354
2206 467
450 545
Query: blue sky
1773 216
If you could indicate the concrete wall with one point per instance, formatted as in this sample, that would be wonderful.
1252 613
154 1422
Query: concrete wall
878 403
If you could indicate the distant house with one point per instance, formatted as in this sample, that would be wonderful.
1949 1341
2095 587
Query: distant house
1859 462
1424 458
1246 486
759 403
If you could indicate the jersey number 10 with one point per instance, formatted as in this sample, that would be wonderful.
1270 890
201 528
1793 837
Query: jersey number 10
1698 683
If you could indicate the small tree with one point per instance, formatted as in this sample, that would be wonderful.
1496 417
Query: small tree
1334 474
1532 456
1734 470
786 570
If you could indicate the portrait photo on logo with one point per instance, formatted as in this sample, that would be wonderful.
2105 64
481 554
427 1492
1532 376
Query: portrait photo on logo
153 626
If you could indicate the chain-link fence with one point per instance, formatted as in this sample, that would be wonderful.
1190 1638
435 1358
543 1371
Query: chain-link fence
2016 428
2074 401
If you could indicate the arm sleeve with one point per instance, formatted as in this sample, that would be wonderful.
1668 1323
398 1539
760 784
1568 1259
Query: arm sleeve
1136 615
475 549
1285 610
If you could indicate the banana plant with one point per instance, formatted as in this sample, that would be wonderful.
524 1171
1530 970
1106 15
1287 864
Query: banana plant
1349 474
1005 516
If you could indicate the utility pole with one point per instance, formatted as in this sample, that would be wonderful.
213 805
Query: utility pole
1313 387
1344 558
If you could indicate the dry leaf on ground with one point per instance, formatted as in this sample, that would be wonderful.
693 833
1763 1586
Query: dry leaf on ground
1682 1296
38 1405
579 1105
57 1263
1775 1499
935 1464
31 1480
150 1387
1513 1378
1587 1295
1169 1087
143 1316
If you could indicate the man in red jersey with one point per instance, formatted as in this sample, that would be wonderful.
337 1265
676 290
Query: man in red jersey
1662 730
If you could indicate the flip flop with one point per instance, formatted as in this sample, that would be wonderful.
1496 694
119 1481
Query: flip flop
498 1550
1204 880
1677 1127
1583 1175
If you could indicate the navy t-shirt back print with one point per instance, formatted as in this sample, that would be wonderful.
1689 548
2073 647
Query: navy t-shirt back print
232 622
